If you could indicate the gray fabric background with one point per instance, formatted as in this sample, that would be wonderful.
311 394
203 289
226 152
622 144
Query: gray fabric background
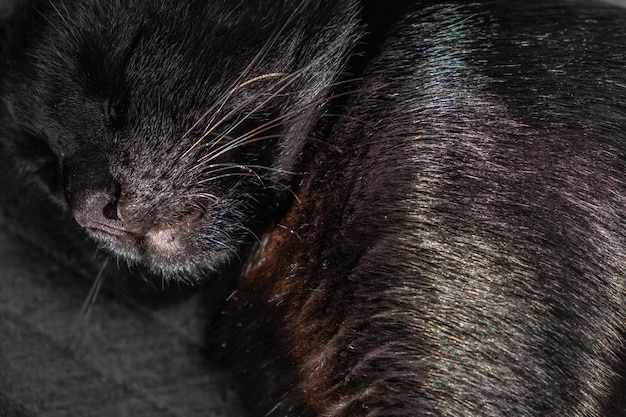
134 356
138 353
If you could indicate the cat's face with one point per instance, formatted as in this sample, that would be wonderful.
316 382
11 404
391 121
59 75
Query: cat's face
172 128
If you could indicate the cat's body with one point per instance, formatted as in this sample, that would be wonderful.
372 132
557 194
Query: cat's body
440 210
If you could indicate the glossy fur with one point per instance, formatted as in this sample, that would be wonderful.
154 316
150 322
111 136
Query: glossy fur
432 224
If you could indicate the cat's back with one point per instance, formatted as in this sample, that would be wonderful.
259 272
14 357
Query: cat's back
457 247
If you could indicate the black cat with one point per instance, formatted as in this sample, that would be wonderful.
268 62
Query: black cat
425 202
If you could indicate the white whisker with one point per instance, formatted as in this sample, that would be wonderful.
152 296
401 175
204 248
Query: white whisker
237 84
87 307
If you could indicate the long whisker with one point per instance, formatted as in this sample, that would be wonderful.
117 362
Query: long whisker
227 165
288 80
59 13
52 25
259 57
221 102
64 8
232 174
206 196
234 144
250 174
87 307
246 138
250 171
273 123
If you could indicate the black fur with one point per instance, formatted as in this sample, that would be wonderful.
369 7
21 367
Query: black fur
438 198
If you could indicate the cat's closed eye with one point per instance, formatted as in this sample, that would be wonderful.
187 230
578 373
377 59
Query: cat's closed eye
114 113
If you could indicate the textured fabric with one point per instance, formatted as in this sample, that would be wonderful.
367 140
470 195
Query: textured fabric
128 357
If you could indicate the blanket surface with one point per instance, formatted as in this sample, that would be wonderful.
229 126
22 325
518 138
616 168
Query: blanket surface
134 352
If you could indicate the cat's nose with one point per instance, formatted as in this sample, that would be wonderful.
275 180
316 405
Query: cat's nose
98 211
93 196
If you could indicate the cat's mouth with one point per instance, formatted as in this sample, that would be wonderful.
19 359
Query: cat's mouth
113 228
160 247
185 240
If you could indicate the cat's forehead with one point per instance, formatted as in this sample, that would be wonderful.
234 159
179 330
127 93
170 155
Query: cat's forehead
191 32
130 63
172 24
164 51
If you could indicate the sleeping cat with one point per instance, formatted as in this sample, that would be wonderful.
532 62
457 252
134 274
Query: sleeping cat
424 203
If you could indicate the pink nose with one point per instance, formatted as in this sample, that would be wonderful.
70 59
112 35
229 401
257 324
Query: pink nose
98 210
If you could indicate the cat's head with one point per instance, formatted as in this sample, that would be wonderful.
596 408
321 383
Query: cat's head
171 128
